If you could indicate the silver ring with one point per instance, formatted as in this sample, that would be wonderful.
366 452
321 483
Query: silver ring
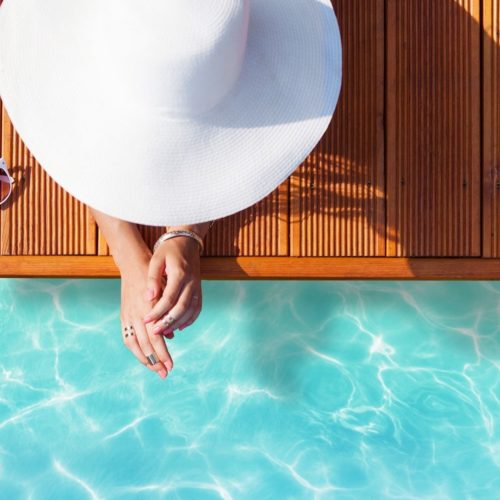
167 320
152 358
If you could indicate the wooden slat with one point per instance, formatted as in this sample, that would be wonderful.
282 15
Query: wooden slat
260 230
40 218
433 128
491 128
5 150
337 196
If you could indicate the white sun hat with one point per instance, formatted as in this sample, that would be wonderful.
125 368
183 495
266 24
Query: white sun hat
169 112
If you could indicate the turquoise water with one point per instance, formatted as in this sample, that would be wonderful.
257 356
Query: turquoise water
280 390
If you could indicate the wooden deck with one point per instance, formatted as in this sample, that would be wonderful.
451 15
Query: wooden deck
404 184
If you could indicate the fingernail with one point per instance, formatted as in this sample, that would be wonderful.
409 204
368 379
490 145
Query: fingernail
162 373
157 329
168 370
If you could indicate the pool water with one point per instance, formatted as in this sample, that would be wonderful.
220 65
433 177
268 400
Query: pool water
280 390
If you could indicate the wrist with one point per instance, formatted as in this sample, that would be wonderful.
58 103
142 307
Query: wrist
130 251
131 261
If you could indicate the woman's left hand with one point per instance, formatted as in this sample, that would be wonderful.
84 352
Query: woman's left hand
180 303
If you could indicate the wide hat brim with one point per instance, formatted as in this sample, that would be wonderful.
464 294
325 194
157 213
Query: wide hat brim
148 169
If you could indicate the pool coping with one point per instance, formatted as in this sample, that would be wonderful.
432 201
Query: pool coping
240 268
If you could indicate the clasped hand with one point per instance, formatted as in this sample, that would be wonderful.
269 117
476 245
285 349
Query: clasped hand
162 287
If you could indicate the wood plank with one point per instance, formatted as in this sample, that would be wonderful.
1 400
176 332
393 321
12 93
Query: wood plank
5 152
430 51
224 268
433 128
260 230
40 218
491 128
337 196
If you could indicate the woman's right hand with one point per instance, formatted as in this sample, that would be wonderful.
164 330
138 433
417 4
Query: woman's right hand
134 307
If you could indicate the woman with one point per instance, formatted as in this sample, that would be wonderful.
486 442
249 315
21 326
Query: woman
145 300
161 113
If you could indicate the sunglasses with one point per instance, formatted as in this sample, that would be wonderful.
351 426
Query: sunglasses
5 179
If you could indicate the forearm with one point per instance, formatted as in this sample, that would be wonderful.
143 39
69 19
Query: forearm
123 238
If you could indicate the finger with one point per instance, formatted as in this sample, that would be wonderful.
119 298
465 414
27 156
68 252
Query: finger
147 348
159 346
130 340
154 300
196 309
193 317
181 312
168 332
156 272
169 297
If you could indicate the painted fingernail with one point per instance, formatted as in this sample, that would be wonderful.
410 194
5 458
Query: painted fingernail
162 373
168 369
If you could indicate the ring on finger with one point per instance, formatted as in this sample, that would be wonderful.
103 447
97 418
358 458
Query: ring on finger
181 320
167 320
152 358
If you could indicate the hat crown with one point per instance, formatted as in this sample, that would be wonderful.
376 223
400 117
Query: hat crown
178 57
